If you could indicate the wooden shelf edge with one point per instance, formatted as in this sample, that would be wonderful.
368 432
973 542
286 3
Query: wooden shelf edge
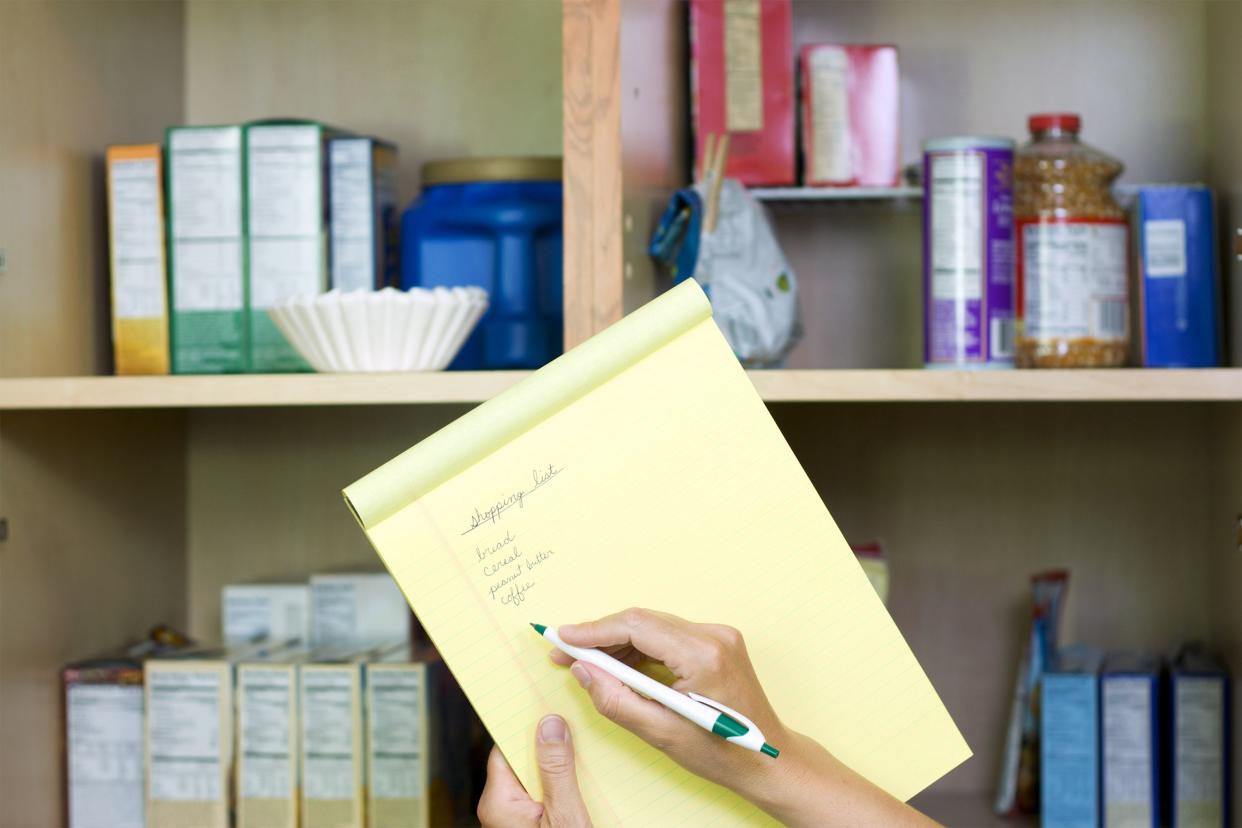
918 385
254 390
281 390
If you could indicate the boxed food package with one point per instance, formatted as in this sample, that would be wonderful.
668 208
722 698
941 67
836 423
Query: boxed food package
362 188
1130 740
206 258
1198 728
358 609
423 744
136 258
267 744
331 738
262 612
188 741
103 743
741 54
1069 763
286 230
1176 299
850 115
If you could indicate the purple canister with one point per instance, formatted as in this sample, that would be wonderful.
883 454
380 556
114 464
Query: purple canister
968 252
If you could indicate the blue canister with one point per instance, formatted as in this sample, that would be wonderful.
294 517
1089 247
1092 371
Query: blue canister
494 223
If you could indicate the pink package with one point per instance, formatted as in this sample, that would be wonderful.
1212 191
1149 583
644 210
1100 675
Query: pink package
742 83
850 114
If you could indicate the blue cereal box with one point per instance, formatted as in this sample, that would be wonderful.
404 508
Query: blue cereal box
1070 741
1177 293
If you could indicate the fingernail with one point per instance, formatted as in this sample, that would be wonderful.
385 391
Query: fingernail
581 674
552 730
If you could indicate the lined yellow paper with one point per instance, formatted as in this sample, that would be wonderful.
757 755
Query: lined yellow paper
642 469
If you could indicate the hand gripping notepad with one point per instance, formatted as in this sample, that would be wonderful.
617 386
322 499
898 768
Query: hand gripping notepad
642 469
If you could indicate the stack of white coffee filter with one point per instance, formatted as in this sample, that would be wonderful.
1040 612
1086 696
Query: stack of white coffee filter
387 330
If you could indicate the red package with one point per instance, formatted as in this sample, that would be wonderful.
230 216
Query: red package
741 54
850 114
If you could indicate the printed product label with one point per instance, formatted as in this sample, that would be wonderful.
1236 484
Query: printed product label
258 613
205 208
208 275
285 181
205 169
328 721
743 55
1073 282
137 239
184 735
351 186
1164 248
1128 796
830 115
104 724
1199 763
395 738
957 239
264 707
335 613
283 269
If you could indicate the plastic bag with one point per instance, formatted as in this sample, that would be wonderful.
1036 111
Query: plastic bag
741 267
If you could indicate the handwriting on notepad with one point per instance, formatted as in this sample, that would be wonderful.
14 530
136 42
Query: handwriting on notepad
507 566
492 514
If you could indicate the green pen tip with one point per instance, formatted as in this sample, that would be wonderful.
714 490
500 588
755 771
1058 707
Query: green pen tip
769 750
539 628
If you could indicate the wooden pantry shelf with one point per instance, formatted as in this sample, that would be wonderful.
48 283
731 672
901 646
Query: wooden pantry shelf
259 391
254 390
918 385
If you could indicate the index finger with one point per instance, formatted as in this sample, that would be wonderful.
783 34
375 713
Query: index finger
501 780
657 635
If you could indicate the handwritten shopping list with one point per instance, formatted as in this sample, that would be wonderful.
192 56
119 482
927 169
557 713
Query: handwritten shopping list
510 568
666 486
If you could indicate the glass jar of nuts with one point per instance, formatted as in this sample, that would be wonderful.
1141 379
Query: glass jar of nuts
1072 243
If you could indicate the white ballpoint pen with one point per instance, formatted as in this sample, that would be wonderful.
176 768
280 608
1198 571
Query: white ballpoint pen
710 715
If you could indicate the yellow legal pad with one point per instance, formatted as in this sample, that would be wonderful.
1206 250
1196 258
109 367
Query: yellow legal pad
642 469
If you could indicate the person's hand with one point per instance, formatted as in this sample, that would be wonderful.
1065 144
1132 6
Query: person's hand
710 659
506 804
804 786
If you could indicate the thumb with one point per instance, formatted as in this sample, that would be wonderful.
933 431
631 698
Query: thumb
562 801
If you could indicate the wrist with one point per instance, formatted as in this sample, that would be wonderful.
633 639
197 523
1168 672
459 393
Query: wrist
790 784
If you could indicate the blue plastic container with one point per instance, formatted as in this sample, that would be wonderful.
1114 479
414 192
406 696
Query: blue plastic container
495 223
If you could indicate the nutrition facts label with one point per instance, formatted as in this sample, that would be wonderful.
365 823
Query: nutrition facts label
137 239
104 724
1074 279
1127 749
956 192
1199 752
395 734
265 705
830 114
743 54
205 174
329 718
184 732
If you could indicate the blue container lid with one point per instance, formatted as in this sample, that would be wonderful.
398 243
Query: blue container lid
476 170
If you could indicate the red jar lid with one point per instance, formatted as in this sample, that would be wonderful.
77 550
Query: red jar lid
1044 121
